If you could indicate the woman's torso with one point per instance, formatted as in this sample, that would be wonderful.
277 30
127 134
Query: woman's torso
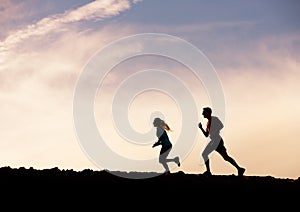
163 136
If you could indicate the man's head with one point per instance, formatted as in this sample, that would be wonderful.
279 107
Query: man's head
206 112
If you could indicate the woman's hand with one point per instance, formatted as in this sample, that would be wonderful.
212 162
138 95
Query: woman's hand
155 144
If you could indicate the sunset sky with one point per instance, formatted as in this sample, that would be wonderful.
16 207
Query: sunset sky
81 82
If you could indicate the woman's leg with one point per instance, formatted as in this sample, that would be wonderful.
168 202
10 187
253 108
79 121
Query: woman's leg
163 158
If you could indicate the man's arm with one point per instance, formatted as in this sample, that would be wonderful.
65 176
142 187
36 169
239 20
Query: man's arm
205 132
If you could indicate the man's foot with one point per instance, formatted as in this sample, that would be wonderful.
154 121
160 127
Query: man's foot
177 161
207 173
241 172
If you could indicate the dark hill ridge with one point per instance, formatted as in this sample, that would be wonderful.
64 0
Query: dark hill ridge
109 178
105 177
17 183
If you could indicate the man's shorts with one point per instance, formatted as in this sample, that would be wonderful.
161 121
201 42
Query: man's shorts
221 147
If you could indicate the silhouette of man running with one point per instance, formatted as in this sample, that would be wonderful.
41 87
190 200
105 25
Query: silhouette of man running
213 128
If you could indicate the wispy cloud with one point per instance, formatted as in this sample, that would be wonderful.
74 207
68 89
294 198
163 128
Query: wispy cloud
96 10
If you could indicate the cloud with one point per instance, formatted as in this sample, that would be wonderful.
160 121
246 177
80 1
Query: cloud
7 8
96 10
36 91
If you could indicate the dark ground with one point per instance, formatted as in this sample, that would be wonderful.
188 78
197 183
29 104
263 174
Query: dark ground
98 188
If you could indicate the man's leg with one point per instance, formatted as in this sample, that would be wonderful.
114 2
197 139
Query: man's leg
208 149
224 154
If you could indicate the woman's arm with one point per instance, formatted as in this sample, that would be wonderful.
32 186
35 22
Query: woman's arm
161 135
156 144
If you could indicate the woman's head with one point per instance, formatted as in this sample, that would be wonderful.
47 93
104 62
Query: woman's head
160 123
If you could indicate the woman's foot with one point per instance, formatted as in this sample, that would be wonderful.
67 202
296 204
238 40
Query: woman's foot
177 161
167 172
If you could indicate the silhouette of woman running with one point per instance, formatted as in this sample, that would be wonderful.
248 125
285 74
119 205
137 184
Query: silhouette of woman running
164 141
